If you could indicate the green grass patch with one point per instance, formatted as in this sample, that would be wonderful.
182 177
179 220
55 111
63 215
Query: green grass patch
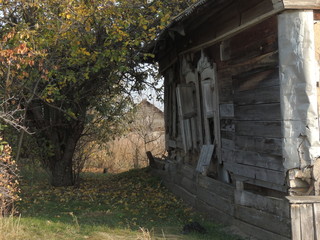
130 205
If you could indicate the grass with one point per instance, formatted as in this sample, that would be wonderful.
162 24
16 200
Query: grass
130 205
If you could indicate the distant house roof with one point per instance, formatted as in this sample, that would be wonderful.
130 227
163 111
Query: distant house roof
149 104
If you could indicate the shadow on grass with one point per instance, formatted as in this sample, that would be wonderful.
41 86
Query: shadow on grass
130 204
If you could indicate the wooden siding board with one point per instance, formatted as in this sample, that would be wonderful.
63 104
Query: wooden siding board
256 78
301 4
213 212
252 172
275 206
219 188
256 11
227 144
261 183
316 219
259 112
295 222
255 159
268 129
307 227
265 145
226 110
214 200
256 231
264 220
258 96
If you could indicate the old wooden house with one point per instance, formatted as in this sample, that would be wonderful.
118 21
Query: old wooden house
242 113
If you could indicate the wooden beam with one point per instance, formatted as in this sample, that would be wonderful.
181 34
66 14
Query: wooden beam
233 31
301 4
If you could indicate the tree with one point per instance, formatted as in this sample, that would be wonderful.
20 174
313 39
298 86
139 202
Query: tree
87 54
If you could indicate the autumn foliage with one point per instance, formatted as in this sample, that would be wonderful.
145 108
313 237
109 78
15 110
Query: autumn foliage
9 188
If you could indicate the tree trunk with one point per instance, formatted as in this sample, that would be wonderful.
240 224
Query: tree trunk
62 163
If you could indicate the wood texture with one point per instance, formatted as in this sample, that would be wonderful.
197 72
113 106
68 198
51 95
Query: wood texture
216 187
275 206
260 233
271 129
258 96
316 212
256 78
266 175
218 202
295 222
307 224
271 146
255 159
301 4
264 220
259 112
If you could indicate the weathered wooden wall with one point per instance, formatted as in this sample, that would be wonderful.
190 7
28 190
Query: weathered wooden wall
260 216
305 217
249 105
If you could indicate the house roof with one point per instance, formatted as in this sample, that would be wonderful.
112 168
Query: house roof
145 102
185 18
187 12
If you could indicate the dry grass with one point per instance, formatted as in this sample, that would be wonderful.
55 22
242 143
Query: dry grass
125 153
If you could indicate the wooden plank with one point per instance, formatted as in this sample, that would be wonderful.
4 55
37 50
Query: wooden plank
306 216
271 129
187 171
316 213
259 144
303 199
260 233
263 174
205 158
216 201
226 110
183 194
258 96
301 4
257 77
256 159
185 97
212 213
257 182
197 45
256 11
264 220
259 112
189 185
227 144
296 222
216 187
276 206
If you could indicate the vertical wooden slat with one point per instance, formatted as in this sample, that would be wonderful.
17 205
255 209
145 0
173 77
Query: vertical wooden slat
307 226
316 212
295 222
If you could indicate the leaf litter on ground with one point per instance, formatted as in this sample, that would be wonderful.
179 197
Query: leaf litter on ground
130 205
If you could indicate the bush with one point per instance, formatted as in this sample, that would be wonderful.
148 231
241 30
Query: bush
9 185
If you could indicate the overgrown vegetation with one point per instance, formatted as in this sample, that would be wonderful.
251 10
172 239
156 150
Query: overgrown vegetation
131 205
63 60
9 185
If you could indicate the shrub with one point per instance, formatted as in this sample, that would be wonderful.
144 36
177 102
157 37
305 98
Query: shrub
9 185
